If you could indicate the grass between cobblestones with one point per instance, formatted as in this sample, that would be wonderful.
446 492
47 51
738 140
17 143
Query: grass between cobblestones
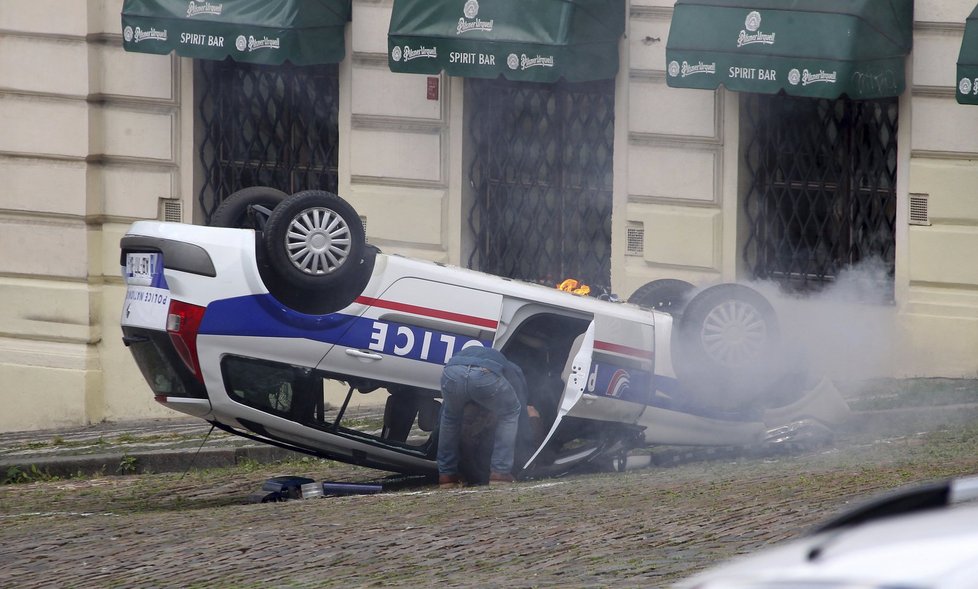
642 528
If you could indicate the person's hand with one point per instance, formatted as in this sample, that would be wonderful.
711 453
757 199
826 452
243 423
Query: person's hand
532 411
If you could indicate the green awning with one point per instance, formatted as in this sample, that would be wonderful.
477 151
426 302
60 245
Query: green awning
528 40
967 92
816 48
270 32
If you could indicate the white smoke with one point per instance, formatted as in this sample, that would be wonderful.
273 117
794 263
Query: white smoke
845 332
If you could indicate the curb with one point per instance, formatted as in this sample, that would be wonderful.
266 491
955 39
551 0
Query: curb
157 461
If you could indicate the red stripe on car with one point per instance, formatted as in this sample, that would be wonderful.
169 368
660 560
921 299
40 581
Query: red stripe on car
624 350
428 312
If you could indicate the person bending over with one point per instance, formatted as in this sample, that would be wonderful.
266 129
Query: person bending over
483 376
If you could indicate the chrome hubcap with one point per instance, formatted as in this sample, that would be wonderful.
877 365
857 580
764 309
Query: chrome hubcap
318 241
733 333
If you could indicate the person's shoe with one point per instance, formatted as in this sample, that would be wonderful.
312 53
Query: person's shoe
501 478
448 481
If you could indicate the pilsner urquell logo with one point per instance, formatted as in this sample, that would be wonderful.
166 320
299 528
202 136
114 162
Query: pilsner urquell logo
965 85
699 68
252 44
523 62
808 77
752 24
538 61
197 7
425 52
471 11
150 35
263 43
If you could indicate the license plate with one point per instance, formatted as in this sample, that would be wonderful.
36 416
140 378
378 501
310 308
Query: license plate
147 296
143 268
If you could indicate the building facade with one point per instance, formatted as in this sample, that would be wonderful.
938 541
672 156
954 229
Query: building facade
616 181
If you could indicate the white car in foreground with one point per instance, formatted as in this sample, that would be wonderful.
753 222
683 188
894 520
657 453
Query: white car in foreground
925 537
242 323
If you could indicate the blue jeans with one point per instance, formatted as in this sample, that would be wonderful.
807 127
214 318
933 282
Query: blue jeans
463 384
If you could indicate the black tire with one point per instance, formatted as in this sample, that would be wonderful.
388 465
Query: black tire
248 208
667 295
314 240
726 348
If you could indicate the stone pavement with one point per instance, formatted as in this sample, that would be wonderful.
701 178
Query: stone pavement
643 528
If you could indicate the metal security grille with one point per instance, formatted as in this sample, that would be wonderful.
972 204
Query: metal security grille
542 175
266 126
822 187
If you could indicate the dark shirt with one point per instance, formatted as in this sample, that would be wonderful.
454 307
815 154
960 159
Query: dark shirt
494 360
481 356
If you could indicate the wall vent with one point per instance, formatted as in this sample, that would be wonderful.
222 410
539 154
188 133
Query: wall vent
171 210
636 240
919 214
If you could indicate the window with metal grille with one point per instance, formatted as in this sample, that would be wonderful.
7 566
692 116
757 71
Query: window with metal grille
265 126
542 177
821 194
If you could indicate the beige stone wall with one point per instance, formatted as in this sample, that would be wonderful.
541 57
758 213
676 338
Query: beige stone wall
85 127
679 192
400 165
939 309
47 339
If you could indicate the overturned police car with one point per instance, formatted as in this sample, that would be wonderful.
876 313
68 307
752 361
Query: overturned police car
250 323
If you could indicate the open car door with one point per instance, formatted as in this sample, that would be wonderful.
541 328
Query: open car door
575 376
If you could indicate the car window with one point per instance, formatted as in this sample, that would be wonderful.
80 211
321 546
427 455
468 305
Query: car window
309 397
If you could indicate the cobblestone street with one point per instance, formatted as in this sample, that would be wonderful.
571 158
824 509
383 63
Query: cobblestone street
643 528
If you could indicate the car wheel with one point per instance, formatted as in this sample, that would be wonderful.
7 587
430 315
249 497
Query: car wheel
667 295
725 348
248 208
314 240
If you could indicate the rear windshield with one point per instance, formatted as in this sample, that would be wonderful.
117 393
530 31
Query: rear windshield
162 368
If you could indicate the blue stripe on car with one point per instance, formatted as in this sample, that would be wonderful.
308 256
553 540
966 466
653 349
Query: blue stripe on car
263 316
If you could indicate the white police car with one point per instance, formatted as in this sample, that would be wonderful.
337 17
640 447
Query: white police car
922 537
245 323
